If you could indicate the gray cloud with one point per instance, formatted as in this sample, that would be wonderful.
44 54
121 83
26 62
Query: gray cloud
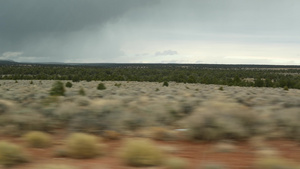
137 30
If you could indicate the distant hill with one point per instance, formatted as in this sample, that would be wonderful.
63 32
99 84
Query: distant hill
8 62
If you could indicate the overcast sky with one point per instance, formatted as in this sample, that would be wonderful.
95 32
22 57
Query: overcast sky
151 31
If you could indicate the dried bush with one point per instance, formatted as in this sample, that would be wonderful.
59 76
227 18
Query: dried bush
28 120
81 91
82 146
96 119
37 139
11 154
55 166
275 163
141 152
224 121
176 163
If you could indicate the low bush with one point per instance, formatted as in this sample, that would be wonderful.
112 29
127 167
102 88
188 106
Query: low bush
11 154
141 152
81 91
101 86
166 84
82 146
275 163
118 85
176 163
69 84
57 89
37 139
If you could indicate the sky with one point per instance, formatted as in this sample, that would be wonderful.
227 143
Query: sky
151 31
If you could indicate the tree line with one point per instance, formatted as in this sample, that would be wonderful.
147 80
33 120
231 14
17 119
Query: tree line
232 75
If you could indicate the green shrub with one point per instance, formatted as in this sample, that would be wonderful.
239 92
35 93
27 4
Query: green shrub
118 85
81 91
57 89
82 146
31 82
141 153
166 84
11 154
286 88
37 139
101 86
221 88
176 163
69 84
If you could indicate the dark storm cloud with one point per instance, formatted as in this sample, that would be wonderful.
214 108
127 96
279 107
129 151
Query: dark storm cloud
137 30
21 18
56 29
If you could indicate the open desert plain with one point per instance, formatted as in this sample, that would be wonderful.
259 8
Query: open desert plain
123 125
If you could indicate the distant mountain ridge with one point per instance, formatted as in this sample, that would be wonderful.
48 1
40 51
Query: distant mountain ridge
11 62
7 62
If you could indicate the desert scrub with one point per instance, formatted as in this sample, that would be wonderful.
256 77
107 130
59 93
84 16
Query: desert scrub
69 84
55 166
11 154
81 91
275 163
176 163
217 121
111 135
160 133
101 86
166 84
213 166
28 120
118 85
37 139
82 146
96 118
141 152
57 89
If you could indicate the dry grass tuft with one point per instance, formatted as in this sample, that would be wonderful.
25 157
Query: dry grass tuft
37 139
141 152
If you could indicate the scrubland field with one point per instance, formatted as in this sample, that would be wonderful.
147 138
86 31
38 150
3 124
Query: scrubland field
148 125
